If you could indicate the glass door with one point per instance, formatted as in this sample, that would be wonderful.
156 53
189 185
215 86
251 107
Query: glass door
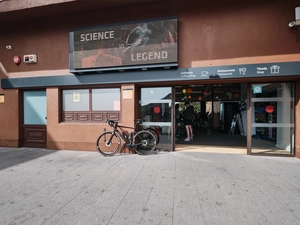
35 119
155 108
273 118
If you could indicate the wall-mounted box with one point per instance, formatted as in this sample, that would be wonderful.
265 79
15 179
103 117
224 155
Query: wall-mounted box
32 58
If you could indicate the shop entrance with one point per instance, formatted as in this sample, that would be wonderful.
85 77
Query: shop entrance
220 115
216 107
221 118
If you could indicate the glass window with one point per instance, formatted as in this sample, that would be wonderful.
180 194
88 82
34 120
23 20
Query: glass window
106 99
76 100
273 124
155 109
35 107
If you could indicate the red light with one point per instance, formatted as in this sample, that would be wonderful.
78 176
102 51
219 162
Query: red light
269 109
156 109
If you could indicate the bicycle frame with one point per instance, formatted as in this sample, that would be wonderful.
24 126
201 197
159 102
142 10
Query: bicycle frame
128 140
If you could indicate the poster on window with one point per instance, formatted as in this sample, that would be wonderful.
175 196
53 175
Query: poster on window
76 96
132 44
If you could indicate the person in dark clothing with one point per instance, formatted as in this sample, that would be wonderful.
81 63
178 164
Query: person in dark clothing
178 119
188 116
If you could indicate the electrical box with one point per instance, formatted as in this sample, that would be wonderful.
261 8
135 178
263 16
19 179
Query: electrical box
32 58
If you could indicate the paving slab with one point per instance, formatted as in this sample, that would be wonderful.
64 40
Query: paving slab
40 186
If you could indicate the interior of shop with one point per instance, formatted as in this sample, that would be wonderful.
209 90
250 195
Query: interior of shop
217 112
220 117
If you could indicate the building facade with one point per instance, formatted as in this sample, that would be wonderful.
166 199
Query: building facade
66 66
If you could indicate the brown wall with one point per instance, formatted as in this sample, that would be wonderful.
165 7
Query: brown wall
9 111
7 6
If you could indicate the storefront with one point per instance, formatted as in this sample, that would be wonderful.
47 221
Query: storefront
263 113
241 80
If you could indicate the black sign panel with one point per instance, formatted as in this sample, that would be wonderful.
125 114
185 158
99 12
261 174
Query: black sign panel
225 73
136 44
241 71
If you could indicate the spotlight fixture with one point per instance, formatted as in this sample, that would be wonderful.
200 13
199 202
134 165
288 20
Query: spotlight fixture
292 24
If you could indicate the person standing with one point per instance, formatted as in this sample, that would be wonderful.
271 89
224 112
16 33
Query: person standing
177 121
188 116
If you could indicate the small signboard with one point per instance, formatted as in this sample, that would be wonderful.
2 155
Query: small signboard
257 89
127 94
76 96
2 98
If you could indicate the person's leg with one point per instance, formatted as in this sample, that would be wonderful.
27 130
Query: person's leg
187 133
176 131
191 132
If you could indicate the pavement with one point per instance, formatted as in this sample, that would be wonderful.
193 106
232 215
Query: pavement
40 186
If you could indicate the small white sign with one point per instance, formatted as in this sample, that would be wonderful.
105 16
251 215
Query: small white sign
76 96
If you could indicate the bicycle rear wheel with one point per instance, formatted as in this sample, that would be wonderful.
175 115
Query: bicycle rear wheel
108 144
156 135
145 142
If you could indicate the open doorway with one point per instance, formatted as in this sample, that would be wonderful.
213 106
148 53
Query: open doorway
219 121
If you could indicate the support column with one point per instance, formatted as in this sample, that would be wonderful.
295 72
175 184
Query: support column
297 120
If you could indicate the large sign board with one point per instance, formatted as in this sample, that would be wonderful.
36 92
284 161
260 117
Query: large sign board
133 45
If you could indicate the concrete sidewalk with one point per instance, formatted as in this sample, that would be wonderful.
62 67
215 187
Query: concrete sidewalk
41 186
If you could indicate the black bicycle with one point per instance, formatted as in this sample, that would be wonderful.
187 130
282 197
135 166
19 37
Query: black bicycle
142 142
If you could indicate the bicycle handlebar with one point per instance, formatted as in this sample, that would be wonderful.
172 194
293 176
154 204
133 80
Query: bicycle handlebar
112 123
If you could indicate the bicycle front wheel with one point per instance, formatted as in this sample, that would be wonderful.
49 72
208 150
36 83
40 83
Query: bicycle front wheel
108 144
145 142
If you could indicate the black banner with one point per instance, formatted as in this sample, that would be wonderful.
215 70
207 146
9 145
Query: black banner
139 43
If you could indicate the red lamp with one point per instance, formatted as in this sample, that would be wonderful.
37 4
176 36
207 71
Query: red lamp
188 90
269 109
156 109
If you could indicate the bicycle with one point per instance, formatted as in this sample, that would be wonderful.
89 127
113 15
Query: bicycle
109 143
153 131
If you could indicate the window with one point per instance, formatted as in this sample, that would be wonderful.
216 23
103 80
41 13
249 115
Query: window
91 105
273 118
106 99
76 100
